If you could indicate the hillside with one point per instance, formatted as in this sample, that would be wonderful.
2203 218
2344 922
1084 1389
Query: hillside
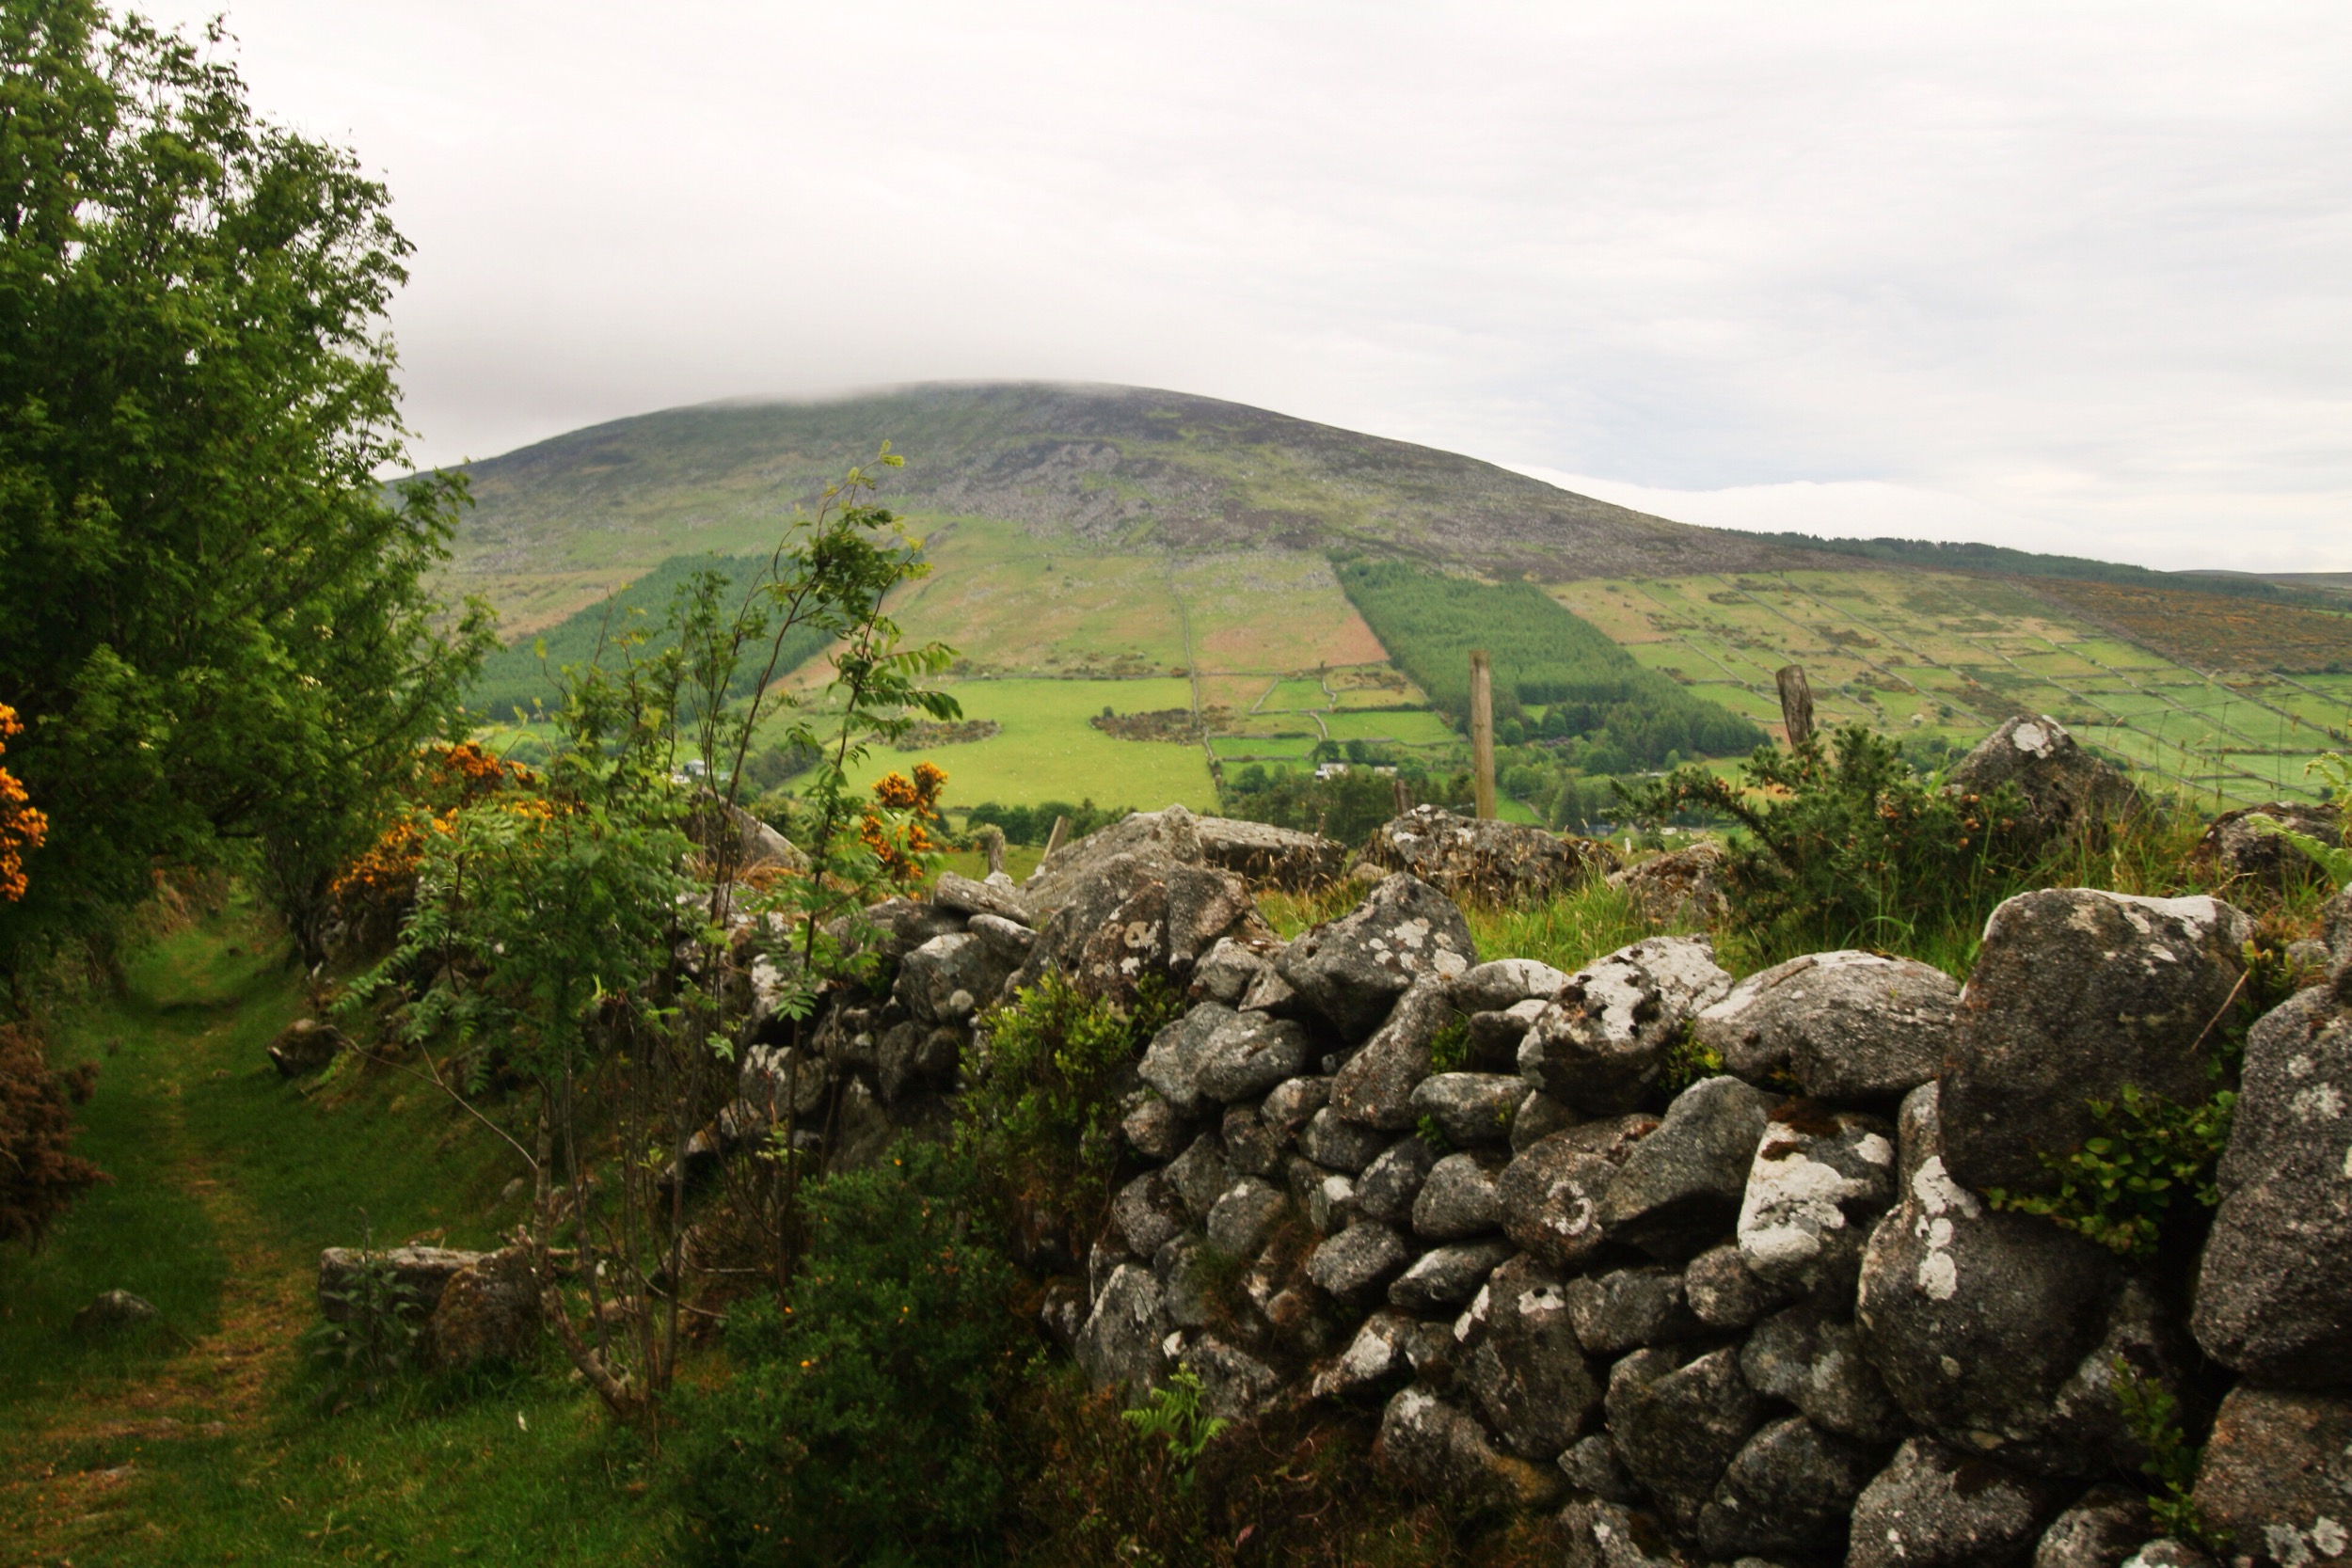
1094 467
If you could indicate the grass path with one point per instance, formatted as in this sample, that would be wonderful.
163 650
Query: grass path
201 1440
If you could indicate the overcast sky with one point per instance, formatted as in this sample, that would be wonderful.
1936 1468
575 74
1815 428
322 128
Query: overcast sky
2070 276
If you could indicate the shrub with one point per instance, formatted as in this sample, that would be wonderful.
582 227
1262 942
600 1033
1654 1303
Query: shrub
40 1174
860 1425
382 1326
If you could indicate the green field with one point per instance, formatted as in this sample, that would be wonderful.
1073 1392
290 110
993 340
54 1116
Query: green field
1913 654
1047 751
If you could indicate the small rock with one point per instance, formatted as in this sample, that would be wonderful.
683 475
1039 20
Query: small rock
1171 1064
1063 1309
955 891
1187 1294
1933 1507
1387 1186
1341 1145
1147 1211
1445 1453
1459 1199
1333 1205
1446 1276
1722 1293
1201 1176
1681 887
1234 1385
1247 1055
1630 1307
1357 1262
1249 1143
1375 1086
2101 1531
1552 1196
1245 1217
1608 1037
1483 859
2170 1552
1677 1427
1538 1118
2244 848
421 1272
1288 1106
1817 1363
1592 1466
2063 784
1525 1369
957 964
1353 969
1120 1344
1471 1109
1495 1038
1224 974
110 1312
488 1313
1603 1534
1852 1027
1504 984
1681 1187
1153 1128
1820 1182
1790 1489
305 1046
1374 1357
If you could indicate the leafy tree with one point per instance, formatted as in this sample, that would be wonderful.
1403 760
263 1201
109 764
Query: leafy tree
218 630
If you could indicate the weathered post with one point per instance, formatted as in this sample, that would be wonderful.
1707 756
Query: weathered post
993 842
1403 794
1796 703
1053 839
1482 732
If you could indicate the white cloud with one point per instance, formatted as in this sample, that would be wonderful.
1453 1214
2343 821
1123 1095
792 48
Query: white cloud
2086 265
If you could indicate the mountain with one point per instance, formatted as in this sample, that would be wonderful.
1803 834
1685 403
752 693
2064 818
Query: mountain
1118 468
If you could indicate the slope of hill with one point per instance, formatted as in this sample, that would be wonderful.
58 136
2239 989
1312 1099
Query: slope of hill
1092 468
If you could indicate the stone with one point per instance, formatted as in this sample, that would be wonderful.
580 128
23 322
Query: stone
1681 887
1241 1221
1249 1143
1495 1038
1387 1186
955 892
1200 1174
1270 993
1538 1118
1471 1109
1790 1488
1936 1507
2277 1474
1256 851
1627 1309
1856 1028
1205 907
2106 1525
1171 1063
1483 859
1815 1362
1340 1143
1247 1055
1679 1425
1607 1039
1290 1105
1147 1211
305 1046
1459 1199
1375 1086
421 1272
934 976
1722 1293
1551 1194
1374 1358
1592 1466
2272 1293
1223 975
1062 1310
2063 785
1351 970
2076 993
1445 1452
2172 1552
1525 1370
1235 1386
1358 1261
1333 1205
1186 1294
862 1133
1820 1182
1121 1345
488 1313
1681 1189
1446 1276
1007 941
1605 1535
1503 984
110 1312
1155 1129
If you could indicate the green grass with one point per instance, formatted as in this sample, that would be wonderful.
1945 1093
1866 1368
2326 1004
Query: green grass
200 1441
1047 751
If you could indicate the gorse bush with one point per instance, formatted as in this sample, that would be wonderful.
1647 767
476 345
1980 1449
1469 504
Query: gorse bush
1845 845
861 1422
40 1174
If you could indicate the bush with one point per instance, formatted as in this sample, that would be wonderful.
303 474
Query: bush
860 1425
40 1174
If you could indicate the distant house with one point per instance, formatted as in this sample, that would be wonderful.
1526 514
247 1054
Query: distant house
1335 769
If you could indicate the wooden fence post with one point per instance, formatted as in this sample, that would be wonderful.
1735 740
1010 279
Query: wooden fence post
1796 704
1482 732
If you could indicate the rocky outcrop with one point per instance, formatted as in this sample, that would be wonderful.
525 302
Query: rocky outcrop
2063 785
1681 887
1482 859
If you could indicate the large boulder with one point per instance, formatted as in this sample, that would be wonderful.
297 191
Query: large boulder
1444 1452
1552 1194
1353 969
1680 1188
1159 839
1815 1362
2000 1332
1679 1425
1938 1507
1857 1028
1121 1345
2274 1295
1609 1034
2064 786
1681 887
2242 846
1525 1369
950 977
2076 994
488 1312
1494 863
2277 1473
419 1274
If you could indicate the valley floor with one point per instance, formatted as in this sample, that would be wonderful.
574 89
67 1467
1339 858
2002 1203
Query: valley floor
202 1440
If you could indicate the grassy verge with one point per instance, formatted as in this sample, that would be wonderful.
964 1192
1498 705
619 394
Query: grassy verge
200 1441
